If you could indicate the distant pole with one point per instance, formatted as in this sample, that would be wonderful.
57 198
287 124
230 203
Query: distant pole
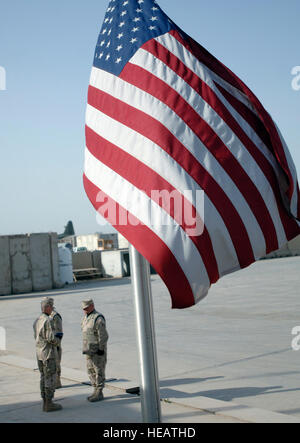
149 388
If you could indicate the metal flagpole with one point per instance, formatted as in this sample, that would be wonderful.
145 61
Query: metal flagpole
149 388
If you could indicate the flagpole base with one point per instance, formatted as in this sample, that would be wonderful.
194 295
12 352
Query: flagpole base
149 389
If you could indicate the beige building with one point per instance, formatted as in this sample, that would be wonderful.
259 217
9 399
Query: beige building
122 242
97 242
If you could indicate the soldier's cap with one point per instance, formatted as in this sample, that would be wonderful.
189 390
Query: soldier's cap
86 303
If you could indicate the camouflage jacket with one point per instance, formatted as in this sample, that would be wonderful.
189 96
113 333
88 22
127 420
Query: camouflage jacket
94 333
44 334
57 323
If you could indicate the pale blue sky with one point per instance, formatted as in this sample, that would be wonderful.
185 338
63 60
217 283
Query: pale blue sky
46 48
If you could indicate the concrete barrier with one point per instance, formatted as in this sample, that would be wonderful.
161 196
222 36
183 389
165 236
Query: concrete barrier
28 263
5 273
82 260
40 255
87 260
56 282
115 263
97 261
19 248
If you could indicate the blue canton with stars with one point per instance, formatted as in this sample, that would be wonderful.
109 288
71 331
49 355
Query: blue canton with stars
128 24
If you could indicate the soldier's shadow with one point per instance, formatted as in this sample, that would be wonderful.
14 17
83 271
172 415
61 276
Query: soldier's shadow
228 394
76 409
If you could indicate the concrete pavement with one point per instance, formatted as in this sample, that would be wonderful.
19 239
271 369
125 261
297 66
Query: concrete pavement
20 401
227 359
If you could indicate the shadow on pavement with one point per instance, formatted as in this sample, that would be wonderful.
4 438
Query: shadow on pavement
223 394
186 381
290 411
76 409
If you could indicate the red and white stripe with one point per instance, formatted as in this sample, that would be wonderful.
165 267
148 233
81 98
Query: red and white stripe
176 119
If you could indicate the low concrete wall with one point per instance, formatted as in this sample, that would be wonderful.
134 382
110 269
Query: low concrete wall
97 261
40 254
87 260
5 271
28 263
82 260
19 247
56 282
115 263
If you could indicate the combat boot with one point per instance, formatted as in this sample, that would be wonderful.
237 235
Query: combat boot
49 406
97 396
93 395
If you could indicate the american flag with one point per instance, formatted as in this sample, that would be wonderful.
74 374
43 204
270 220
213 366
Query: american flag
163 114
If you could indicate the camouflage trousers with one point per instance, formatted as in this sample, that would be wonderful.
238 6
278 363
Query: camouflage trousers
58 361
96 369
47 370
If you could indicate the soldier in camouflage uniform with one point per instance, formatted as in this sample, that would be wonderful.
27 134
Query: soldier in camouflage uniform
46 343
95 338
58 328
